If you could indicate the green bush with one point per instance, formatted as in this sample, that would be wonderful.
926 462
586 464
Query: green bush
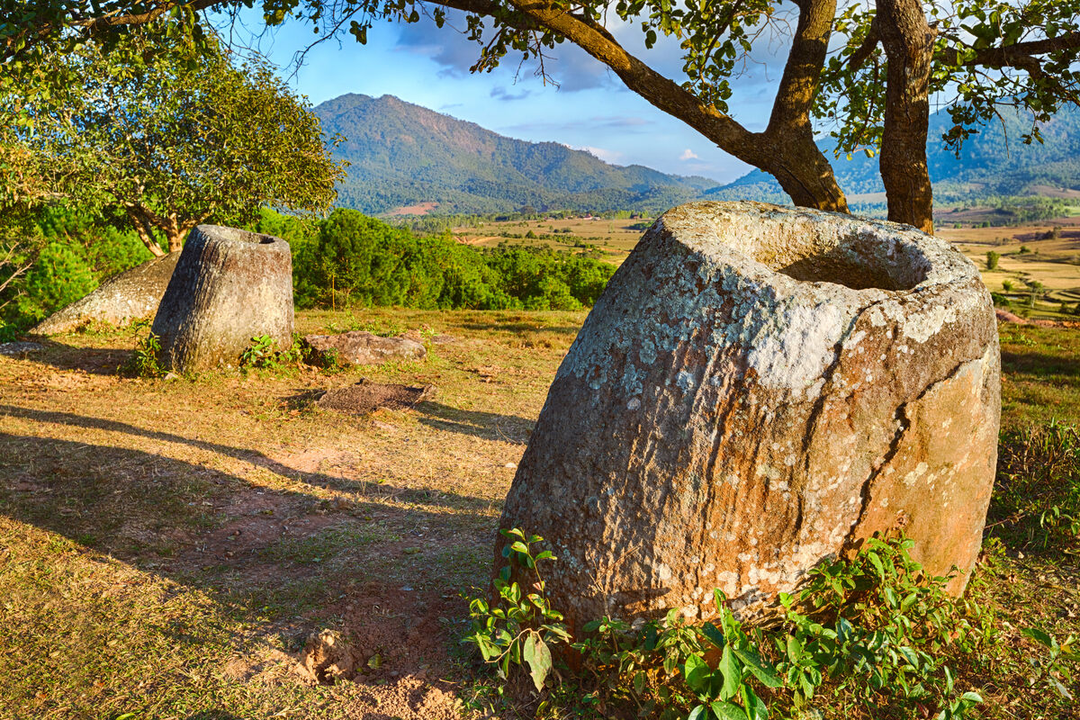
355 260
873 636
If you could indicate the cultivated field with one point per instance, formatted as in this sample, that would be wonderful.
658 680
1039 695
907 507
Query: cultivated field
167 546
1027 254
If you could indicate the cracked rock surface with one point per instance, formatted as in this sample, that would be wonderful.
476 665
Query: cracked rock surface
229 286
760 388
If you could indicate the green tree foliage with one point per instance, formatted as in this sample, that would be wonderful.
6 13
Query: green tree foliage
164 136
893 56
351 259
63 254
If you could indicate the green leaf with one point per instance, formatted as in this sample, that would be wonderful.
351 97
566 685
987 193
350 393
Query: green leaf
697 673
731 670
713 633
759 668
698 713
1039 635
753 705
727 711
794 649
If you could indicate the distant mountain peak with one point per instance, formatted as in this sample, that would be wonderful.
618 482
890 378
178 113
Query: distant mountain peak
402 154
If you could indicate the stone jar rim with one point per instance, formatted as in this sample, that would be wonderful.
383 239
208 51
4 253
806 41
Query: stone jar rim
247 239
800 249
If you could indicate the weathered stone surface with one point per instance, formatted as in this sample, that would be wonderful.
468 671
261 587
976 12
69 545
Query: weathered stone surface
132 295
229 286
20 349
758 389
363 348
366 396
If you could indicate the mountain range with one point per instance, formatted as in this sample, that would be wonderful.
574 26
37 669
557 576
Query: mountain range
407 158
404 155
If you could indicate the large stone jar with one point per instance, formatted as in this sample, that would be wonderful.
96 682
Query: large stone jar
229 286
758 389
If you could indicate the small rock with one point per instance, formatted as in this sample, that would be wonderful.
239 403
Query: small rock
170 376
363 348
20 348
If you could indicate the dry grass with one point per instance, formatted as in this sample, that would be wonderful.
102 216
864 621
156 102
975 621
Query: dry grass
166 547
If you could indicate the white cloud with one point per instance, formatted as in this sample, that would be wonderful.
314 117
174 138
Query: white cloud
689 154
608 156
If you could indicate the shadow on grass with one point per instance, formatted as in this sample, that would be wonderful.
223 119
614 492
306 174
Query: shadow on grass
281 551
490 426
1040 364
422 497
518 327
96 361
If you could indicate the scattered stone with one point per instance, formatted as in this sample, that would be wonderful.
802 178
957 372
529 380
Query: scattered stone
229 286
363 348
758 389
366 396
20 349
134 294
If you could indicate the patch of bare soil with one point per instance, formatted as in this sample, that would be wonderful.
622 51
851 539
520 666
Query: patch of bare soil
366 396
417 209
392 645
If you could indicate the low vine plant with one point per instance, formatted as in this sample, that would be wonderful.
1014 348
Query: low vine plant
871 636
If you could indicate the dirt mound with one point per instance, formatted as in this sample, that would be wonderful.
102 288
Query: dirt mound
367 396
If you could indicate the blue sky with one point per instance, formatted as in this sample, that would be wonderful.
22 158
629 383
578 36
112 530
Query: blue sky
589 110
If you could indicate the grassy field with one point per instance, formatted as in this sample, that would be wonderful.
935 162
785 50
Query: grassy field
168 546
1027 254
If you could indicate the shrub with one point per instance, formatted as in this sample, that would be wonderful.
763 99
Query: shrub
871 636
992 260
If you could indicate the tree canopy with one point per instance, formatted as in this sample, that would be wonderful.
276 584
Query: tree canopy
865 72
163 134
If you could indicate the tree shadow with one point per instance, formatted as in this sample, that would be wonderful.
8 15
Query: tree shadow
95 361
519 327
490 426
1039 364
381 490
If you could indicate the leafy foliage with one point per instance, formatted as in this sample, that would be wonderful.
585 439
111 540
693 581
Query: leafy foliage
167 136
873 634
145 361
520 626
352 259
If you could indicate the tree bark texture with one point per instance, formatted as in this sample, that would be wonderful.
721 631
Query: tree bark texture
229 286
758 389
909 46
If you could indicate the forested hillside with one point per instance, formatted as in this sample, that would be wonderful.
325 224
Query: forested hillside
402 154
993 162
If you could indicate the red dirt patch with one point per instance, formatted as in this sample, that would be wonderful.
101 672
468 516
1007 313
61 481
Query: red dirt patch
417 209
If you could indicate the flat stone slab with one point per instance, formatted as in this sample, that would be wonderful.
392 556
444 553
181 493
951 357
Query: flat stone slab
20 349
366 396
363 348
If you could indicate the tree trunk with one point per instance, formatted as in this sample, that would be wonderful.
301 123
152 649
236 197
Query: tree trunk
790 153
909 45
229 286
146 234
